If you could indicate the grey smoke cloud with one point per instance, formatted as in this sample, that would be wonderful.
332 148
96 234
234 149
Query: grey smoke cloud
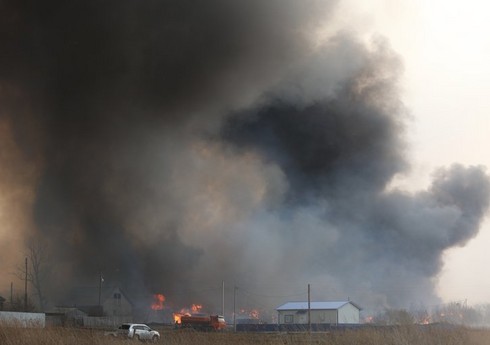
339 153
185 143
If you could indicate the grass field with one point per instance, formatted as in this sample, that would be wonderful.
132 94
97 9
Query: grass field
369 336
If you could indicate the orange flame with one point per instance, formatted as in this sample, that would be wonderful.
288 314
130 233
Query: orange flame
158 301
178 316
252 313
369 319
195 308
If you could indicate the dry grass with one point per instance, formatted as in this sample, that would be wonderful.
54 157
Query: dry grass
389 336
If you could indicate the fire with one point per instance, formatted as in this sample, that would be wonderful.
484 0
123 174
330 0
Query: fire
369 319
195 308
253 313
158 302
178 316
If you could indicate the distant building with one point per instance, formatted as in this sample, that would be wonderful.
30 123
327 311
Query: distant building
81 308
333 313
65 316
116 303
113 302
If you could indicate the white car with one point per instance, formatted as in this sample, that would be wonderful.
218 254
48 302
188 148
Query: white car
137 331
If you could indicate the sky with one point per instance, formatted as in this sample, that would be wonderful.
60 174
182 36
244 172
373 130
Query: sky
445 48
173 145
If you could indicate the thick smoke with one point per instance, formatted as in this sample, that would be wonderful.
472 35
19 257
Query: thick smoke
176 144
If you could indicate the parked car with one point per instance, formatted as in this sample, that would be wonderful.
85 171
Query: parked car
137 331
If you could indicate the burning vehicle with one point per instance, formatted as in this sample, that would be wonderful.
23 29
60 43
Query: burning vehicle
203 322
190 317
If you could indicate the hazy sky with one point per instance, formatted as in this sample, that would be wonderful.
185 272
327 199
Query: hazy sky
445 48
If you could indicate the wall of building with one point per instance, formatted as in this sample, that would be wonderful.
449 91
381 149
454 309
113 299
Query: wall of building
16 319
287 316
105 322
301 317
348 314
117 305
324 316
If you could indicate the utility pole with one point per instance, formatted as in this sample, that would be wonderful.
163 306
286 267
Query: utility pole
100 285
223 299
309 311
25 289
234 308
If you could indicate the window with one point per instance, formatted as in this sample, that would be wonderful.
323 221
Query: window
288 318
117 299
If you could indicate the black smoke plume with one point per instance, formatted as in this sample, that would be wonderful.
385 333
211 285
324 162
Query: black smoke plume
181 143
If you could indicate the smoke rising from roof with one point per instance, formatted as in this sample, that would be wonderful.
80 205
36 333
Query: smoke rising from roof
178 144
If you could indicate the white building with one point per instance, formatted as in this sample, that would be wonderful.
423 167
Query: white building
333 313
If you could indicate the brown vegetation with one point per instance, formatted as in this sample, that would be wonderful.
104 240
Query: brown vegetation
368 336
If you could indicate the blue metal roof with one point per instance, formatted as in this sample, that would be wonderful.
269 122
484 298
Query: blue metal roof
315 305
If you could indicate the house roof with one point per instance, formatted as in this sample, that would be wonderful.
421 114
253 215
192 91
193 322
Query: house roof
89 296
332 305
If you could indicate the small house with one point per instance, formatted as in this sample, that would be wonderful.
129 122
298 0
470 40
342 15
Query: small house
332 313
116 303
108 302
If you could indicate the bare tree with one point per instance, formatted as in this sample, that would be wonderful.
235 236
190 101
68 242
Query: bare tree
18 304
458 313
36 273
